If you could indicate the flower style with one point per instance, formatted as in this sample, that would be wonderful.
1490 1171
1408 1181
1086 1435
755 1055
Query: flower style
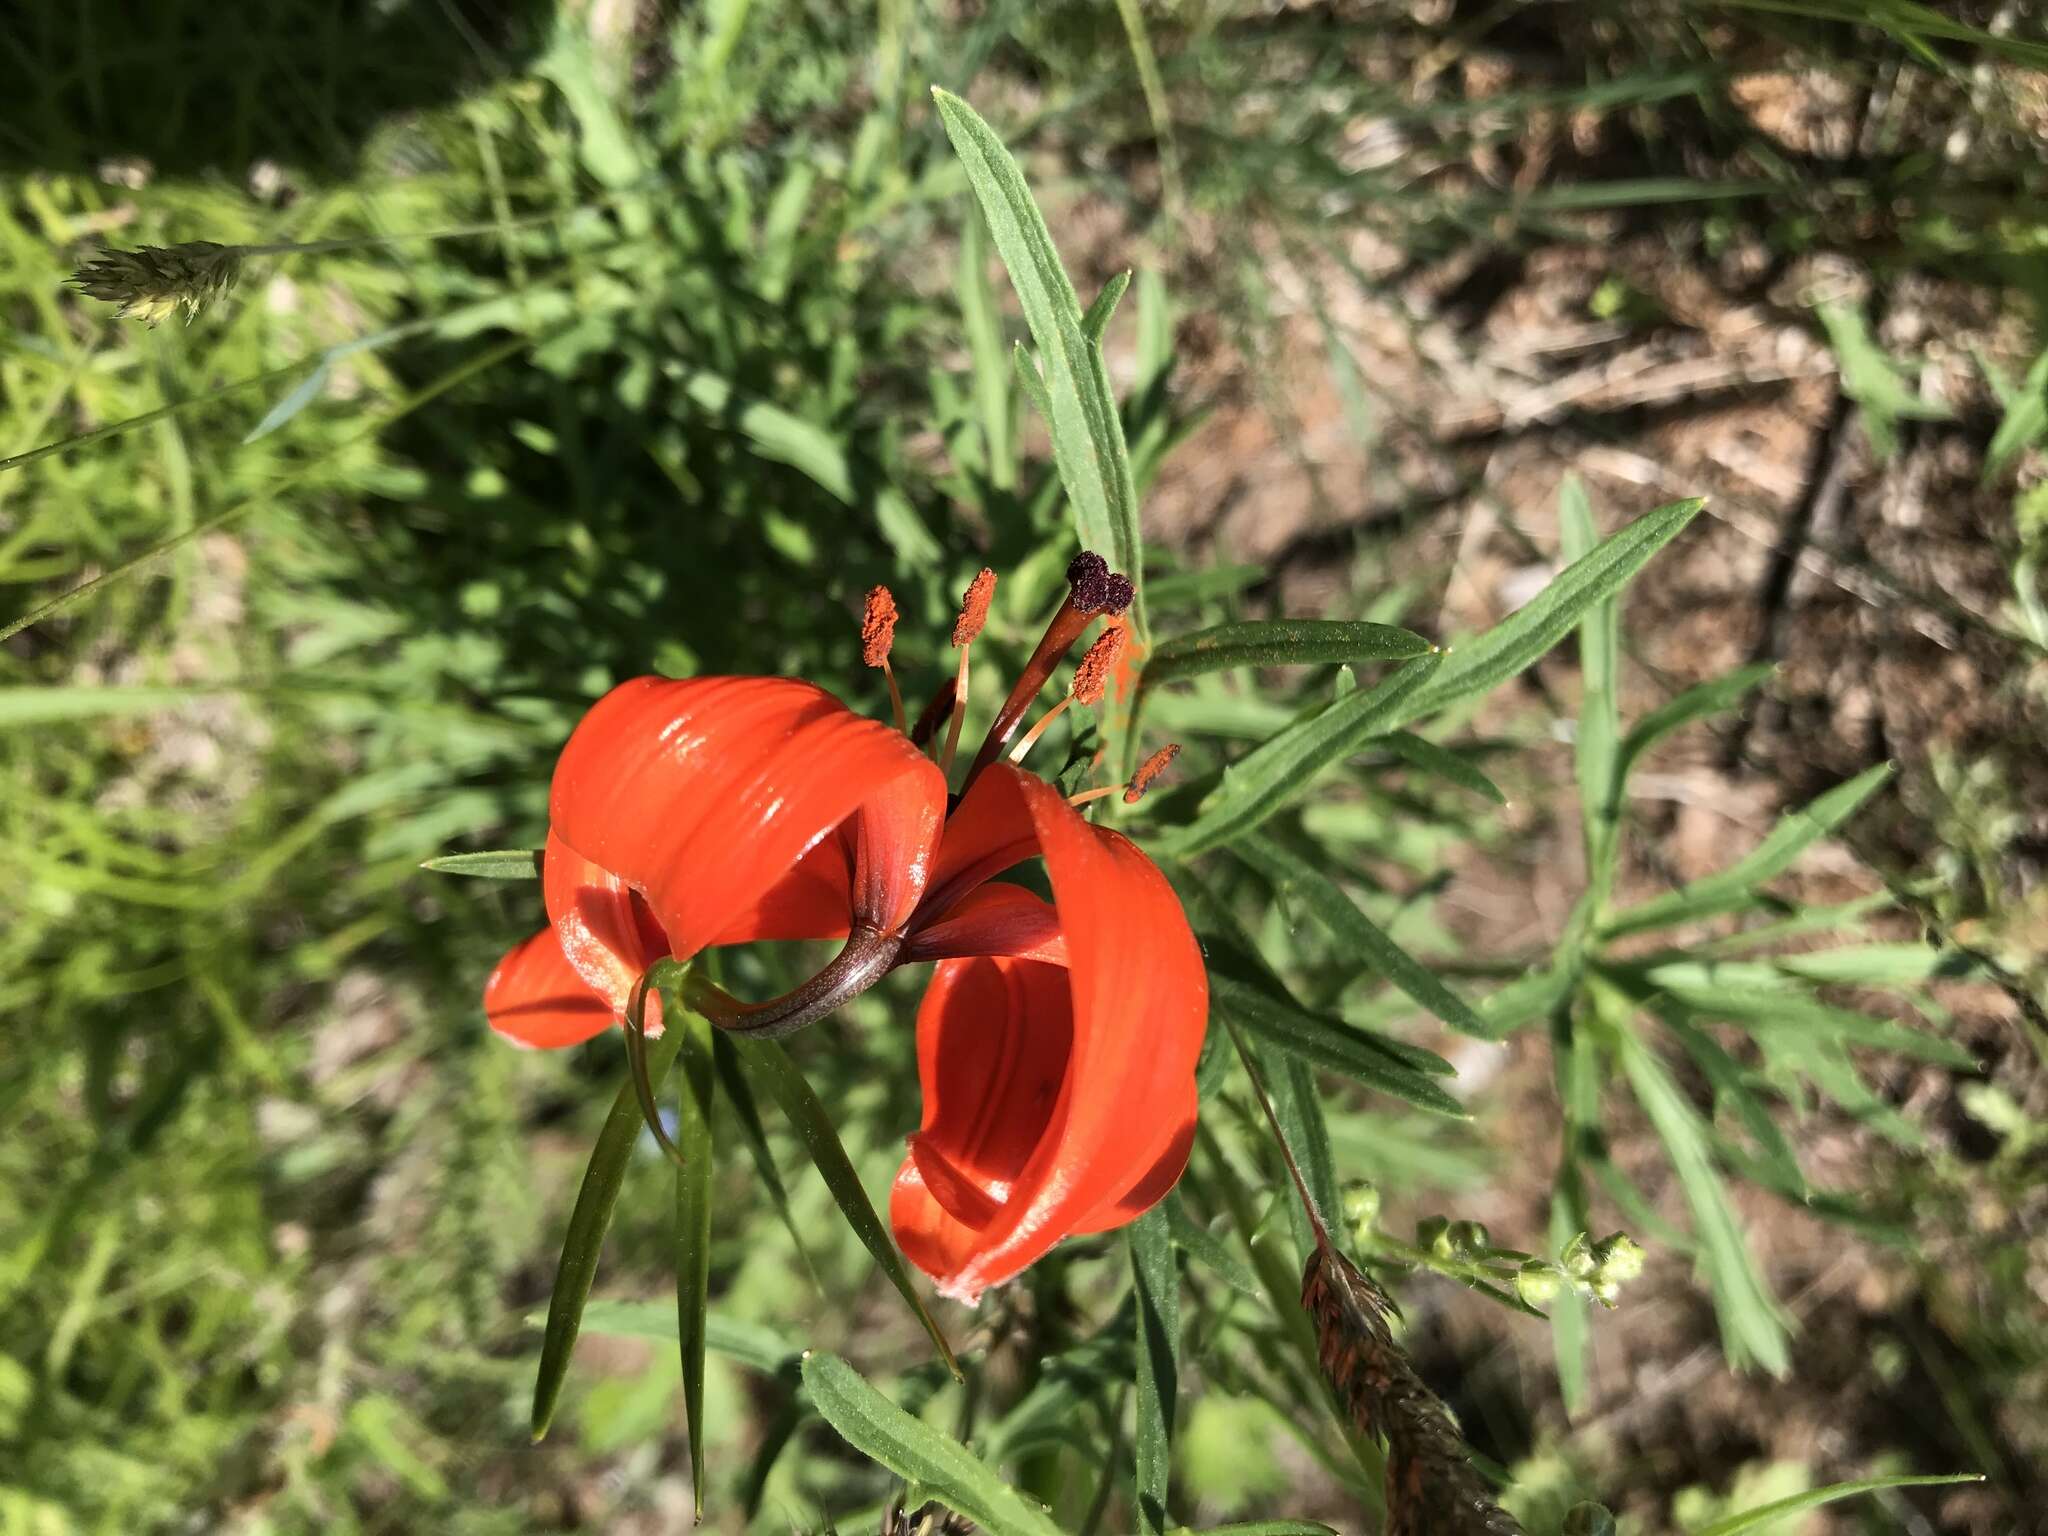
1056 1043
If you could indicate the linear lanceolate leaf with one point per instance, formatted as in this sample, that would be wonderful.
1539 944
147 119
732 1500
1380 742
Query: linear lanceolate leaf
1291 1088
1514 643
1155 1281
1087 430
1420 752
693 1226
919 1454
1813 1498
1370 1059
1278 769
498 864
1752 1328
588 1223
1326 902
1258 1528
1731 888
1103 310
813 1126
1696 703
1209 1250
751 1344
1599 724
1278 643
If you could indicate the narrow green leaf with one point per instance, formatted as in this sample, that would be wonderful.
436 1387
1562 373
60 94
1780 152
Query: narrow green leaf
1258 1528
1813 1498
1277 643
1324 1042
1279 769
1731 888
1513 644
2024 422
1103 310
1752 1328
1156 1284
1418 752
1209 1250
1033 381
1072 1379
1570 1337
944 1468
813 1126
751 1344
1325 901
1696 703
693 1225
1087 429
1599 723
1732 1091
500 864
588 1222
1291 1088
982 322
748 1114
1789 1010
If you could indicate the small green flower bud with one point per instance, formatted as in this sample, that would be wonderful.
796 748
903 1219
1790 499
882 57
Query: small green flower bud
1433 1236
1587 1519
1618 1258
1577 1259
1361 1210
1538 1283
1468 1239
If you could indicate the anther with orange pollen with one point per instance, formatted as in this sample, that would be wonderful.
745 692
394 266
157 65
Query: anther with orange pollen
1091 680
877 634
966 630
1142 780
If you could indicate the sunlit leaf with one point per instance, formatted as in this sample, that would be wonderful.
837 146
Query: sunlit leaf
1370 1059
499 864
919 1454
693 1225
1813 1498
1156 1284
1417 752
1278 643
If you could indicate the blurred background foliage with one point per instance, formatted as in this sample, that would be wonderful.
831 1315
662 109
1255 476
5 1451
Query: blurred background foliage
276 1210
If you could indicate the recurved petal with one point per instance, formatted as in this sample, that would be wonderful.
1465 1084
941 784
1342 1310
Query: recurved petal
1115 1136
993 920
706 794
605 929
536 998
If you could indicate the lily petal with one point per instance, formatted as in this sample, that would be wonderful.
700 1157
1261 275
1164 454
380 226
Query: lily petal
536 998
705 795
604 928
1115 1136
994 920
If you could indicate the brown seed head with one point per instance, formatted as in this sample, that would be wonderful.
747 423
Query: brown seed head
1092 677
974 608
877 626
1149 770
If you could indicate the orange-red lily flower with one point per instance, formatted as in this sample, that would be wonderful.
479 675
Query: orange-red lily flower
1056 1044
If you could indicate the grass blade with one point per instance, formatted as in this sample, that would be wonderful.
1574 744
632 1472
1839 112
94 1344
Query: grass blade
693 1226
944 1468
1731 888
1294 877
752 1344
499 864
1156 1283
588 1222
1528 632
1204 1246
1813 1498
813 1126
1283 766
1291 1088
982 322
1087 431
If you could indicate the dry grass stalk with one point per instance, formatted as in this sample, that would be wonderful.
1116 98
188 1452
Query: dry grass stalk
1432 1487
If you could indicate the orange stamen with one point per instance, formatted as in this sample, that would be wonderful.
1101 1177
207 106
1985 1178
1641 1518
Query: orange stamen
974 608
1092 676
877 626
973 615
1149 770
1088 795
